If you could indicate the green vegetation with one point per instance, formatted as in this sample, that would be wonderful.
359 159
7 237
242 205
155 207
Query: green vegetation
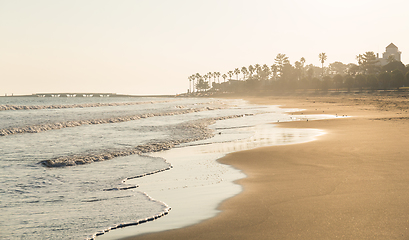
367 74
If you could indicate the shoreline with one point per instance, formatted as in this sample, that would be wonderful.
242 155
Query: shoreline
197 183
350 183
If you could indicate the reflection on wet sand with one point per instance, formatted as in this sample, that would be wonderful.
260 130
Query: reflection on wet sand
265 135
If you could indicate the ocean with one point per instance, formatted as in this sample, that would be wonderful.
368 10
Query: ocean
79 167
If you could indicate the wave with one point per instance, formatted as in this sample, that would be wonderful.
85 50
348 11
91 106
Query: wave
120 188
196 130
60 125
136 222
195 126
85 105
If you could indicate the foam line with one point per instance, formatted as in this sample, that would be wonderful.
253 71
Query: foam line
55 126
136 222
85 105
121 188
196 130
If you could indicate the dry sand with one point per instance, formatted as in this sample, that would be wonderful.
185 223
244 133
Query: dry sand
352 183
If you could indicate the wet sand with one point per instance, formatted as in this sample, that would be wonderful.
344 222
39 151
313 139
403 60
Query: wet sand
351 183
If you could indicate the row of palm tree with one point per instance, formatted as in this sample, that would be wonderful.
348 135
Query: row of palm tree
283 75
198 82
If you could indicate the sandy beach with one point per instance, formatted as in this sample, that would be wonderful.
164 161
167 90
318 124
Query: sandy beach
351 183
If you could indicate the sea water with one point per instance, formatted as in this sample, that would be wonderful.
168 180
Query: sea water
78 200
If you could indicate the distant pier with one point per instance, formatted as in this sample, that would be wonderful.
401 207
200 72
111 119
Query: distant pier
76 95
81 95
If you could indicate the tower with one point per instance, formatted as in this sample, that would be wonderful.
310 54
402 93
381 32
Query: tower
391 50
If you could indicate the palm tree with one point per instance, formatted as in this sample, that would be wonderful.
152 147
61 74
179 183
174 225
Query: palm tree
359 58
274 70
322 57
205 77
190 83
244 71
217 74
237 72
214 76
194 77
224 76
197 76
265 71
251 70
230 73
210 75
257 69
302 61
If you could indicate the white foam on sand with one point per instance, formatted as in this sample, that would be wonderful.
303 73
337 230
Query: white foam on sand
197 183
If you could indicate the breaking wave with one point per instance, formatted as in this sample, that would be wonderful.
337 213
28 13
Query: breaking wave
85 105
195 130
60 125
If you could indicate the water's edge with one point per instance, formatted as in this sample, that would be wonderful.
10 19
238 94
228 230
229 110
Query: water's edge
215 207
66 172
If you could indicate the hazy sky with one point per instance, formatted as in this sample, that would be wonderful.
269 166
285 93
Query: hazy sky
152 46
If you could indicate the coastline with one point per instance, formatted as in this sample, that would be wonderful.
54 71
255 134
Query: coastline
350 183
197 183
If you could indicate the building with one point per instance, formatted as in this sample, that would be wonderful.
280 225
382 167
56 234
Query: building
391 52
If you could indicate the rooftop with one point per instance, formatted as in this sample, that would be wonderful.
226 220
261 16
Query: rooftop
391 46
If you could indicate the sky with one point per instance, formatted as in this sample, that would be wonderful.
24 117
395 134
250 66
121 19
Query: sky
145 47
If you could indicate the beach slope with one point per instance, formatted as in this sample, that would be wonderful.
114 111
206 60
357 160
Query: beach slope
351 183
